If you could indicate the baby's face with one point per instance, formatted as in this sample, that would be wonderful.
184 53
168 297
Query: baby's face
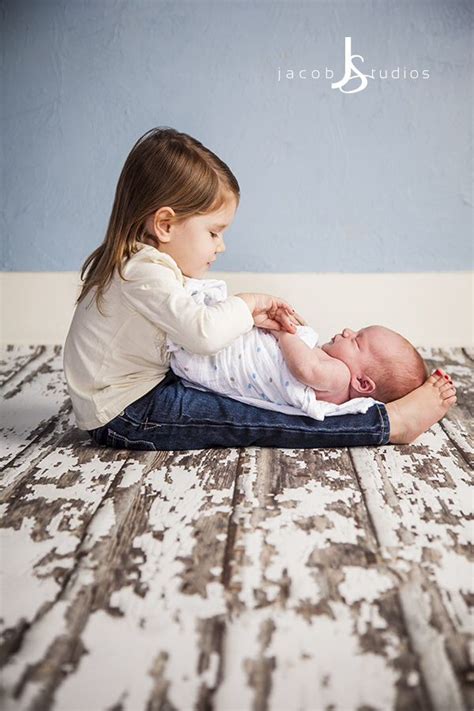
359 349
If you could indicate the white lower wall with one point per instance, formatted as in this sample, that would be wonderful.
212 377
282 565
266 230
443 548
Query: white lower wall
429 309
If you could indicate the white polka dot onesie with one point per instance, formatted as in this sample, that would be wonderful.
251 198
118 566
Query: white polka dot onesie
252 368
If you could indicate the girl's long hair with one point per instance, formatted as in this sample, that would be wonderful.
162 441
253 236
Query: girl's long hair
164 168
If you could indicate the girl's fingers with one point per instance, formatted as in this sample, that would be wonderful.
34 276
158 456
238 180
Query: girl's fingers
286 307
270 325
265 320
286 311
297 318
278 304
286 322
300 319
284 314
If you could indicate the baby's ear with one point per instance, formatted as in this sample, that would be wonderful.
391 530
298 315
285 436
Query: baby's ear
363 384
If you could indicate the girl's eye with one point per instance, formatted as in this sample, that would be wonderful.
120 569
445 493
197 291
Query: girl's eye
214 234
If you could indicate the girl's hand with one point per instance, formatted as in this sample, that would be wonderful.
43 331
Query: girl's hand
298 320
272 313
281 335
281 317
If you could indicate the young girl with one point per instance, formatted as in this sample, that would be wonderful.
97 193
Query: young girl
174 200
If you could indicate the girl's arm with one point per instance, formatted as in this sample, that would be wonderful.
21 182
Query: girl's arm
153 290
312 366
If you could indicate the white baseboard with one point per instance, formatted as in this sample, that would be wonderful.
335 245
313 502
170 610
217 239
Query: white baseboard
434 309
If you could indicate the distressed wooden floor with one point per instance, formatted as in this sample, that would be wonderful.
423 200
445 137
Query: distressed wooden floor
236 580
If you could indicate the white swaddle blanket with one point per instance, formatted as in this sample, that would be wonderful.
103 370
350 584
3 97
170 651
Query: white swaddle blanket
252 368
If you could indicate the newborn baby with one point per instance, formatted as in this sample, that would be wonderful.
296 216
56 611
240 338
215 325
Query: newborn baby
279 370
374 361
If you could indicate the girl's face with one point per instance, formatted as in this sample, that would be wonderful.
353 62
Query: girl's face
195 243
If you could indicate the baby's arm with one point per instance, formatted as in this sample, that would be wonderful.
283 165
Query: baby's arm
312 366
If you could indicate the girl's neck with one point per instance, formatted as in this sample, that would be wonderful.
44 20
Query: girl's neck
147 239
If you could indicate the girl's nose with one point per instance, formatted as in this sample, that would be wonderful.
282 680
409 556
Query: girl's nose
221 247
347 333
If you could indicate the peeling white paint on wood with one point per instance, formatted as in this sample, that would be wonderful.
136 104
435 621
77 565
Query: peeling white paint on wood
299 544
429 644
13 359
420 499
225 579
30 400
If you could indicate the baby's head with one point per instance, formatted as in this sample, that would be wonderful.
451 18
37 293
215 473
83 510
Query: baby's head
383 364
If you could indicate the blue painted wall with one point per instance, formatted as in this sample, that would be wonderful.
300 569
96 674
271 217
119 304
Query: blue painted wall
374 181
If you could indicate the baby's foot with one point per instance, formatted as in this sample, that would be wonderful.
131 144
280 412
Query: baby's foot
419 410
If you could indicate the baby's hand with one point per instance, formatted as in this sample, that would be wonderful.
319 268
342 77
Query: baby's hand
280 318
299 320
279 335
294 319
270 312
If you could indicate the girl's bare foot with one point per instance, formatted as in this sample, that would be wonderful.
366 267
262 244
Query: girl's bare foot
419 410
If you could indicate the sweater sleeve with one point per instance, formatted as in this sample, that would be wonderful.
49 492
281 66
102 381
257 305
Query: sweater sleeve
153 290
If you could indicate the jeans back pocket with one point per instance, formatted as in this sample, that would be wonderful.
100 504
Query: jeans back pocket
137 411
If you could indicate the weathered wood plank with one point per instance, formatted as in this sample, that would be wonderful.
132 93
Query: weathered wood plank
45 442
458 425
419 498
15 357
144 603
43 524
313 593
314 617
31 402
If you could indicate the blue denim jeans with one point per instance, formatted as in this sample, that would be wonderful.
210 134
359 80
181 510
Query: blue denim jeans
172 416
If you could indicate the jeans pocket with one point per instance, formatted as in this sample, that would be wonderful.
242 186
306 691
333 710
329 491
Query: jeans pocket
137 411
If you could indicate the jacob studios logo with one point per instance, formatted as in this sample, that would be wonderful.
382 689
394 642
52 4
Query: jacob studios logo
353 73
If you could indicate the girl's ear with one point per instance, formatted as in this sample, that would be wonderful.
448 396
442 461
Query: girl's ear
159 224
363 384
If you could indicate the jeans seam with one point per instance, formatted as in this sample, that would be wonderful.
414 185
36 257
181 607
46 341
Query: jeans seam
238 425
124 442
384 422
117 438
